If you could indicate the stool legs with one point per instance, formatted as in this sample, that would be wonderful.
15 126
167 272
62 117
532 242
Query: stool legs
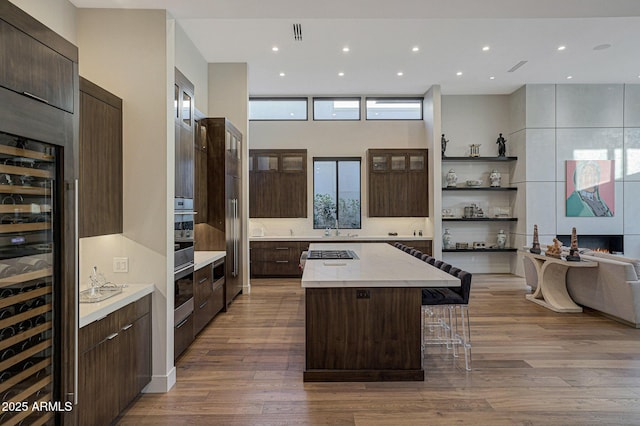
447 325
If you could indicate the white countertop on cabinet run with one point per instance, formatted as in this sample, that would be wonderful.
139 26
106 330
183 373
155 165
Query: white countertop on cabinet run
90 312
333 238
204 258
379 265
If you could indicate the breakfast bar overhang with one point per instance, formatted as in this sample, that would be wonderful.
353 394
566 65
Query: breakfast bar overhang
363 315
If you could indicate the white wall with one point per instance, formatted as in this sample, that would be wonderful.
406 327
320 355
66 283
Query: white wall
191 63
136 63
59 15
339 138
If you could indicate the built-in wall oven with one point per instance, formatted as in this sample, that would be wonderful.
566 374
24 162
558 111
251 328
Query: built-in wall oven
183 274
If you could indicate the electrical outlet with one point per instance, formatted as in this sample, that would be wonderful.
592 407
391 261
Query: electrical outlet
120 264
363 294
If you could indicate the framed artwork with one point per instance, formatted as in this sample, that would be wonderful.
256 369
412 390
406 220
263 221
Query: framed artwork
590 188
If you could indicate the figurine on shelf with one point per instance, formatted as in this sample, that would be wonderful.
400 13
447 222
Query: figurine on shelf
502 146
502 239
495 177
452 179
474 150
447 244
574 254
554 250
443 145
535 248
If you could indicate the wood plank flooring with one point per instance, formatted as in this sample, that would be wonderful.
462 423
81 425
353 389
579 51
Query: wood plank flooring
531 366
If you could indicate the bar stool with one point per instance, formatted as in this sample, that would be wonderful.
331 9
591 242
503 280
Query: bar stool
455 300
415 253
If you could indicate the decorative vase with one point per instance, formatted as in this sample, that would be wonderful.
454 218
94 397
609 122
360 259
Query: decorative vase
495 177
452 179
502 239
446 239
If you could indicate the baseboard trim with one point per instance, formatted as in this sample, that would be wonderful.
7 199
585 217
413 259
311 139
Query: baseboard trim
161 384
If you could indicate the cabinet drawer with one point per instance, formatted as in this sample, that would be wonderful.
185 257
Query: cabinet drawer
183 336
35 70
94 333
277 268
202 286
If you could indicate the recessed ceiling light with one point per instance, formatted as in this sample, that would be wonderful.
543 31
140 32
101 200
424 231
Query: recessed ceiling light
275 48
569 77
282 74
341 74
602 46
400 74
345 49
485 48
415 49
562 47
459 73
492 78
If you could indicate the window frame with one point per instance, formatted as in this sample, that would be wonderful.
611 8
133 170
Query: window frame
278 98
337 160
340 98
418 99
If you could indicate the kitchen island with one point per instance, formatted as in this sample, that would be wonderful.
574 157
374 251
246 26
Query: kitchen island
363 315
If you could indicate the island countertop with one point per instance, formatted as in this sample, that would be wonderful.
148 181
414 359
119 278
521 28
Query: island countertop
379 265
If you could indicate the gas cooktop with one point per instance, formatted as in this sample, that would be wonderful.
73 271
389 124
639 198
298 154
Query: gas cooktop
331 254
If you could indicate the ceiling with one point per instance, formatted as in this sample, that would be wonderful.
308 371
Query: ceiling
600 37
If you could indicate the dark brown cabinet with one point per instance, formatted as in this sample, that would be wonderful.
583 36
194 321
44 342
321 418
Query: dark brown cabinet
200 200
276 258
223 227
208 294
277 183
184 135
100 196
398 183
114 362
39 69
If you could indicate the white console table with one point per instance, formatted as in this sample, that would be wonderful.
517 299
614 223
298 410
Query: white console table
551 291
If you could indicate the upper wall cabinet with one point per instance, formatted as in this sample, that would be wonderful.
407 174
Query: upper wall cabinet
277 183
185 130
100 196
398 183
42 70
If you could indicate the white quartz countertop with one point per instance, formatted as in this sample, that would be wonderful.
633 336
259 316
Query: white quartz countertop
90 312
379 265
321 238
204 258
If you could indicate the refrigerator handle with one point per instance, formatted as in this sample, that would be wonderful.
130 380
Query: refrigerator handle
77 289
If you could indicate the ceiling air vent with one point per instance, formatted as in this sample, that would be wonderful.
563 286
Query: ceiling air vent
297 32
516 66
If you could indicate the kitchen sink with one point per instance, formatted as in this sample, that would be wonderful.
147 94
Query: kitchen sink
98 294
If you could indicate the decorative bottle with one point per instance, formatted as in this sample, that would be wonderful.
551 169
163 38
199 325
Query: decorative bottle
452 179
502 239
446 239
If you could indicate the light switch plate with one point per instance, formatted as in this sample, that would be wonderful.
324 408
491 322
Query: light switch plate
120 264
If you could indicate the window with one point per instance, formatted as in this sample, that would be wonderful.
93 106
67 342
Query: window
336 108
278 109
394 109
336 193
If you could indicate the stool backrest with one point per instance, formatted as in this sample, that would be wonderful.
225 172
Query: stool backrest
432 261
454 271
407 248
416 253
445 267
465 286
425 257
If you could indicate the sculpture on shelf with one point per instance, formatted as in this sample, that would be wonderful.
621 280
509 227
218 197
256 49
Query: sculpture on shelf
474 150
502 146
574 254
443 145
535 248
554 250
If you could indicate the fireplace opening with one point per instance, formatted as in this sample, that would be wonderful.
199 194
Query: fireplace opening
606 243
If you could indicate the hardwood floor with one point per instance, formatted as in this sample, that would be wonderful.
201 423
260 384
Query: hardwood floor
531 366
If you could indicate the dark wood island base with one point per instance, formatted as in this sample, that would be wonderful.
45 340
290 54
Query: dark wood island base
363 334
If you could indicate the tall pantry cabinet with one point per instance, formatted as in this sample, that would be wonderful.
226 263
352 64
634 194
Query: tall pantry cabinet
223 227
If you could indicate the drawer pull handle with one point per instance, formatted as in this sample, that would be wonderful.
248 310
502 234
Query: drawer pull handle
282 248
184 321
204 304
203 280
112 336
282 261
126 327
37 98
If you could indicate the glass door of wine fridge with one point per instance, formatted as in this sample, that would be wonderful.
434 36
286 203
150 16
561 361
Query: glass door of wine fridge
29 281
